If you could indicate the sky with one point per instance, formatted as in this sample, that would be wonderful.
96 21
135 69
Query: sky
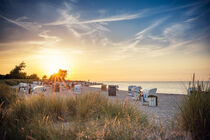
107 40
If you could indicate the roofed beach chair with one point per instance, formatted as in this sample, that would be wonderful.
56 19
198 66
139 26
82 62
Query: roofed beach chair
130 90
148 92
77 89
136 93
112 90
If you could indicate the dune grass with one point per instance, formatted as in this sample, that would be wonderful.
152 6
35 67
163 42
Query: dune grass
89 116
195 112
7 95
13 82
86 116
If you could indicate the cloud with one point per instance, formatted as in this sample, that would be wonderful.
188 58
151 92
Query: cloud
49 40
76 27
31 26
114 18
142 34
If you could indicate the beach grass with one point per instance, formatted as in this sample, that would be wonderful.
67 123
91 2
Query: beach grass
89 116
13 82
85 116
7 96
195 111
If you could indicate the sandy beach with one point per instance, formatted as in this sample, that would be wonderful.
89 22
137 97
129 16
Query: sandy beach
164 113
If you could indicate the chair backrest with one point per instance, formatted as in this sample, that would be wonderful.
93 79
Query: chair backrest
23 85
77 88
152 91
145 93
131 87
38 89
137 89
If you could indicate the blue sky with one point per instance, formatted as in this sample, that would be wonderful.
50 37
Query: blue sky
115 30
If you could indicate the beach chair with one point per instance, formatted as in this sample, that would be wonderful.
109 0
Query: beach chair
112 90
191 90
38 89
103 87
130 90
77 89
148 92
136 93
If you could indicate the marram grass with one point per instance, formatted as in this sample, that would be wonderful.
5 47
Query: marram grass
88 116
195 111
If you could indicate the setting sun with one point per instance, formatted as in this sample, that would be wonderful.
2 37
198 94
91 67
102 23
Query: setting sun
55 61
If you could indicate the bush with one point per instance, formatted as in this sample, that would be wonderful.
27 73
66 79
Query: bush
11 82
195 112
7 95
14 82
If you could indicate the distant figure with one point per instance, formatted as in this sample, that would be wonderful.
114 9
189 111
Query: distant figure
29 89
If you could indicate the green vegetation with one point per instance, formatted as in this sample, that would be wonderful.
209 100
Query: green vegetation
195 112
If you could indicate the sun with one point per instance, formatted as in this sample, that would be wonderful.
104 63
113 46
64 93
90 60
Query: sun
54 62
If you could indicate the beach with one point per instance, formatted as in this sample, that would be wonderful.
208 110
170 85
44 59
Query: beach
164 113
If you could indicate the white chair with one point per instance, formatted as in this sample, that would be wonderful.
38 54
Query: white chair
147 92
136 92
38 89
77 89
130 90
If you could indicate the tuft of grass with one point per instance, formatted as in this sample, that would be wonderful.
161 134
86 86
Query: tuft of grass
195 112
7 95
14 82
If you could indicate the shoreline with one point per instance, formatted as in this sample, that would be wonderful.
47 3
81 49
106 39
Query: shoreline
156 93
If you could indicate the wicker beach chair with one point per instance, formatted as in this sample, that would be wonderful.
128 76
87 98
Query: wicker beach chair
148 92
136 93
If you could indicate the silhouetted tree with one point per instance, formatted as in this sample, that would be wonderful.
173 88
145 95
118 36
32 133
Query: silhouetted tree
33 76
16 72
60 76
44 77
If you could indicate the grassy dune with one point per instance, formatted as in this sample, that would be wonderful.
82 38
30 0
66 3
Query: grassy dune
89 116
92 116
195 112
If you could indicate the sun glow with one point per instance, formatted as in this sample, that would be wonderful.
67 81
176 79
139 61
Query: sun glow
55 61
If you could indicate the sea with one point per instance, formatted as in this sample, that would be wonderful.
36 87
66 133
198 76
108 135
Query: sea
168 87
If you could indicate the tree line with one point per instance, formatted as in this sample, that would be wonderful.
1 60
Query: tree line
17 73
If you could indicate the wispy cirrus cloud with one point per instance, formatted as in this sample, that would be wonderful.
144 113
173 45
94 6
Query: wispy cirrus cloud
114 18
31 26
49 40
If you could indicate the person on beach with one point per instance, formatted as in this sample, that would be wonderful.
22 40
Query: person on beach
29 89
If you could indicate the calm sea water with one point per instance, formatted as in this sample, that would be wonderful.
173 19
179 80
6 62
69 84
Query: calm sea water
162 87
